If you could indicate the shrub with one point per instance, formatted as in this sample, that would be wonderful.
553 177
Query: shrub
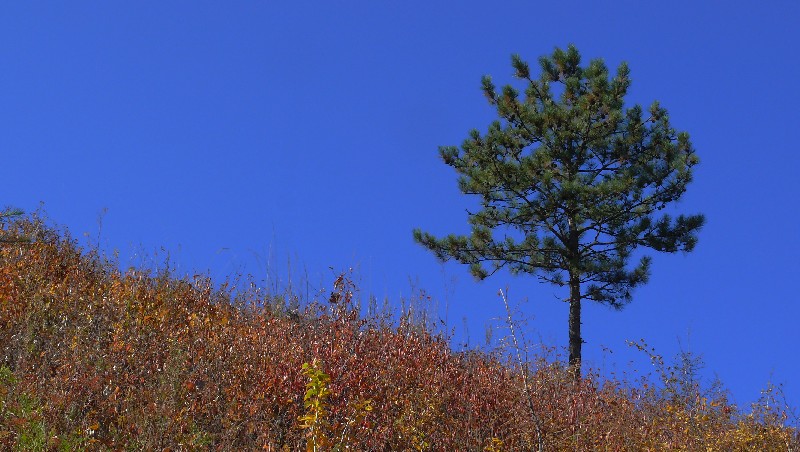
94 357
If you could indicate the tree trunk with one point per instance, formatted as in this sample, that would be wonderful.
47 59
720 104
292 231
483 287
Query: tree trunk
575 340
575 267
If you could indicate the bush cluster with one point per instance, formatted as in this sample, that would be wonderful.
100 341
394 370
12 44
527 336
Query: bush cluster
95 358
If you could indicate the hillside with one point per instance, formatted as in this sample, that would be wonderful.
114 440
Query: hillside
96 358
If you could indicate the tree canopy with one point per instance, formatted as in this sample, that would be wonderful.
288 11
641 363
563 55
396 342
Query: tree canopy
570 183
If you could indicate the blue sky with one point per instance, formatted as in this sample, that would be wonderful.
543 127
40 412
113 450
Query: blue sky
242 135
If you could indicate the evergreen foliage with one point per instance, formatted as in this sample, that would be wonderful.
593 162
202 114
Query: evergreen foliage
571 182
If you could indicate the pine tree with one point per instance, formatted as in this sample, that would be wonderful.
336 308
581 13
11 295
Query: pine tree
571 182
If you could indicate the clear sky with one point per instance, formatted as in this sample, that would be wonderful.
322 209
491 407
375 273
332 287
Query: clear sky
240 135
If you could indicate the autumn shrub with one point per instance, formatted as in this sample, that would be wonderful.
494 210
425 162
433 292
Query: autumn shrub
93 357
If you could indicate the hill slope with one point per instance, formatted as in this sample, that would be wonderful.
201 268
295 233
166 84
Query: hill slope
95 358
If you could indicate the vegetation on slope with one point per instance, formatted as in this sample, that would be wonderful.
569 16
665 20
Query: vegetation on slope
95 358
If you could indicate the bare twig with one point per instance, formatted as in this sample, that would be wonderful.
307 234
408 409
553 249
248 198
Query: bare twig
537 422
